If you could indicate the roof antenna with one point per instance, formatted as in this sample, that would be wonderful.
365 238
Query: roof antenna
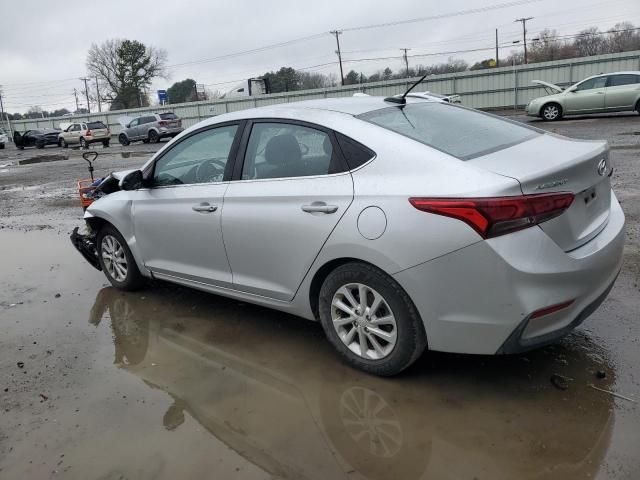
402 100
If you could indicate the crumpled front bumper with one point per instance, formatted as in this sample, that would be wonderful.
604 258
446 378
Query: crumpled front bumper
85 243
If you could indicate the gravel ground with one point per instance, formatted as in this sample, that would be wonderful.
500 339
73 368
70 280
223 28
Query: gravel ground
174 383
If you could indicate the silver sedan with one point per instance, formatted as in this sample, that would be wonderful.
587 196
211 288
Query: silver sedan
398 226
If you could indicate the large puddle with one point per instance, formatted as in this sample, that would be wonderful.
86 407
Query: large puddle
174 383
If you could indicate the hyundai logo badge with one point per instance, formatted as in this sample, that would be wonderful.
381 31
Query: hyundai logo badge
602 167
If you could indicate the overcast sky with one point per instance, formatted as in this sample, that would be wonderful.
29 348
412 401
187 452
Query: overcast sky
42 56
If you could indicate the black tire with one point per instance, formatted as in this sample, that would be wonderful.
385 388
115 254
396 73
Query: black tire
105 143
1 146
154 137
411 338
547 112
83 143
60 143
133 279
637 109
124 141
21 147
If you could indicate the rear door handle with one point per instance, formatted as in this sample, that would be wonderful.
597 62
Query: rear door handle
204 208
319 207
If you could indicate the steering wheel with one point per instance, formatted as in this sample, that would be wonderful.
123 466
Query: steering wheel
210 170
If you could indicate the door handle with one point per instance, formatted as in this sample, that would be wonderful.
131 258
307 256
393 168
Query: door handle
600 93
319 207
204 208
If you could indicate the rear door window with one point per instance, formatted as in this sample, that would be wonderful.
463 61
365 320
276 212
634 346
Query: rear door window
620 80
282 150
458 131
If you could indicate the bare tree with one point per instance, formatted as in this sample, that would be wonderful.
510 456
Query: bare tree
590 41
623 38
125 70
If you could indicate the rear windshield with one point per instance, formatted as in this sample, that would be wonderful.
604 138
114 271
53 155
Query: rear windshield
95 125
168 116
458 131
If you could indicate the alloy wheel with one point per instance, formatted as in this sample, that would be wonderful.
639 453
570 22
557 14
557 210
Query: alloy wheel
114 258
551 112
364 321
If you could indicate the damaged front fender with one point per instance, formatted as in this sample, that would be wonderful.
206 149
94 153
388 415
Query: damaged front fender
85 243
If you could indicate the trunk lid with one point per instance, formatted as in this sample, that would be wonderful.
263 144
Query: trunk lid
550 163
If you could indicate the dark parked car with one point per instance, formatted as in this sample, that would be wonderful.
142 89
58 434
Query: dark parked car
36 138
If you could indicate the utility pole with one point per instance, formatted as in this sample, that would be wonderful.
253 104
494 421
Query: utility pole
2 114
75 94
86 92
524 33
336 33
195 90
406 60
497 57
98 95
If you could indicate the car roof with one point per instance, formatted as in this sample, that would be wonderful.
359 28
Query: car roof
313 108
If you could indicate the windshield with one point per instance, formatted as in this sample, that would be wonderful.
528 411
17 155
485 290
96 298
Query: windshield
458 131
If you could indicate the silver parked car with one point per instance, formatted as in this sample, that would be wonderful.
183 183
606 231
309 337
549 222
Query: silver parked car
398 226
611 92
150 128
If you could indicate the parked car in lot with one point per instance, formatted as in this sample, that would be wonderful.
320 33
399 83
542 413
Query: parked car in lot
39 138
611 92
399 226
4 139
150 128
84 134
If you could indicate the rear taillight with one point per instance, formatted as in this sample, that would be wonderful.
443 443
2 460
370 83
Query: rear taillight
492 217
88 133
162 123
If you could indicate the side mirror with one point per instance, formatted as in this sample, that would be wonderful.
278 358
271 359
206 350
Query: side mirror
132 181
128 125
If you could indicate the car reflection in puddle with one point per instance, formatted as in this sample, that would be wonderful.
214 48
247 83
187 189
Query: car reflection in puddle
270 388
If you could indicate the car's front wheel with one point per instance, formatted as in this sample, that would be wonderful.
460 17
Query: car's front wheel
370 319
551 112
124 141
116 260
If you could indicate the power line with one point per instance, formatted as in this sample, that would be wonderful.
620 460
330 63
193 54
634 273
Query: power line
442 15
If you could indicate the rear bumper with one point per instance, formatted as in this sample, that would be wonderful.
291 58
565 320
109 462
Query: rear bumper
479 299
170 132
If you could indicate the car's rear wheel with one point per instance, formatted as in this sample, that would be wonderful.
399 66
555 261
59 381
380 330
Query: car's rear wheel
124 141
116 260
83 143
105 143
370 320
154 137
551 112
637 109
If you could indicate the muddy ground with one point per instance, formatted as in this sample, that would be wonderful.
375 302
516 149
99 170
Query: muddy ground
171 383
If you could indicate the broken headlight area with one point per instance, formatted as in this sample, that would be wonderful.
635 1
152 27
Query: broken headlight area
85 242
